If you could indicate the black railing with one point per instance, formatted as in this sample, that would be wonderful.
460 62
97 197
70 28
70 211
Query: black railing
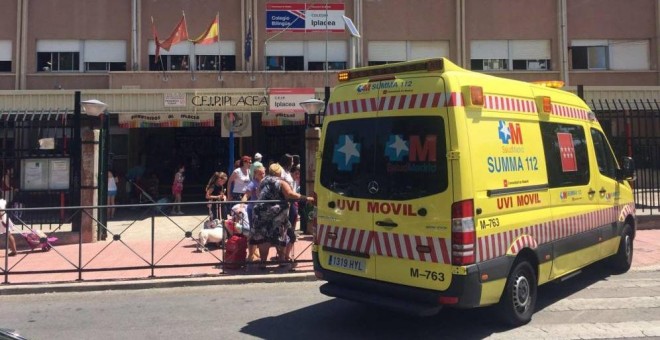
631 126
142 238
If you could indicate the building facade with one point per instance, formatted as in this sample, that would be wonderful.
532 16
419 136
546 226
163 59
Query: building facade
106 49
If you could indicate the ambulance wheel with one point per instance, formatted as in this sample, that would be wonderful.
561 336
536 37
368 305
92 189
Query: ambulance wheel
622 260
519 297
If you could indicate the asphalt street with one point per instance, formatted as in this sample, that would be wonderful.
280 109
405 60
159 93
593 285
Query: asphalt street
594 305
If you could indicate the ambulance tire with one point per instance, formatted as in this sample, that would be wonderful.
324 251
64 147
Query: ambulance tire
622 260
519 298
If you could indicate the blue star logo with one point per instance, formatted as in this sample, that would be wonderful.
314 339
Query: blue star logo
396 148
505 133
346 153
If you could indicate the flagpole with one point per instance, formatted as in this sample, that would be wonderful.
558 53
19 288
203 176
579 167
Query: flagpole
157 55
219 64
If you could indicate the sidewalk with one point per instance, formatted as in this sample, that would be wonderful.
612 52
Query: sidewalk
172 249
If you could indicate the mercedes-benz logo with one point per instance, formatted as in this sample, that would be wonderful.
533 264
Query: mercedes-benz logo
373 187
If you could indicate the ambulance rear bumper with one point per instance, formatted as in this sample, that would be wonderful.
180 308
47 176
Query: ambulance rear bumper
401 298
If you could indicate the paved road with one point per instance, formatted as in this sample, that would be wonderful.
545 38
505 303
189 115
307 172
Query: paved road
591 305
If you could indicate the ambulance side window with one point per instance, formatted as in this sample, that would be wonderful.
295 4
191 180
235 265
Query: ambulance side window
604 158
566 154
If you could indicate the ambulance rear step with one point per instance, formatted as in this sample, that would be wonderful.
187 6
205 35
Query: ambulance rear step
395 304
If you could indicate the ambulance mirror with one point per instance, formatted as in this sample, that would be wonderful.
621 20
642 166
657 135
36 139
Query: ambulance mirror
627 170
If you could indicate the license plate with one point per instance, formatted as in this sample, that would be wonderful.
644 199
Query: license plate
342 262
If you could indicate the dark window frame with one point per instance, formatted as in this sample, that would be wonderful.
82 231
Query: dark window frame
395 177
58 61
605 159
206 62
558 178
5 65
285 63
320 65
581 57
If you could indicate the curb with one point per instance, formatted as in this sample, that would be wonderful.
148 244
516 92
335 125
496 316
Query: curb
648 222
22 289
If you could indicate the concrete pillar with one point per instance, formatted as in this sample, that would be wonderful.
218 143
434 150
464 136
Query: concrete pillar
88 195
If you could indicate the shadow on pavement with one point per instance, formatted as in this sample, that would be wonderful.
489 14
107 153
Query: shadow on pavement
337 319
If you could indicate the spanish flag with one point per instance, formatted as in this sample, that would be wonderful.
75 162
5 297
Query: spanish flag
211 35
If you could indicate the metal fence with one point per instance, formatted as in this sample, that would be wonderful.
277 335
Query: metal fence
143 241
632 127
34 146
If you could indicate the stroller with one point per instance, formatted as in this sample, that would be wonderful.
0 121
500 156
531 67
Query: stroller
37 238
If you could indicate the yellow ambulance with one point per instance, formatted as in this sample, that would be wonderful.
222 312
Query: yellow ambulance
437 186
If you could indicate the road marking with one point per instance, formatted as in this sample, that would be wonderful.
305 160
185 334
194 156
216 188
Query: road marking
605 304
637 329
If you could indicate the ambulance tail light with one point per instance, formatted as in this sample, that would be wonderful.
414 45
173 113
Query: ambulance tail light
463 235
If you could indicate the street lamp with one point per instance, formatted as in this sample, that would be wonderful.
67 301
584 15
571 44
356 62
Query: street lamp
97 108
312 107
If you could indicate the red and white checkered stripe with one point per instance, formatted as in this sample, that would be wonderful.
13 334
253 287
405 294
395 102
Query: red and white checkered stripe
522 242
492 246
509 104
398 102
569 111
385 244
628 209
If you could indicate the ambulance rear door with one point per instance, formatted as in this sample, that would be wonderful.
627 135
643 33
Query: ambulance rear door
410 199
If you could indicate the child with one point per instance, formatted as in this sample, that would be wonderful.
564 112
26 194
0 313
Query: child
7 225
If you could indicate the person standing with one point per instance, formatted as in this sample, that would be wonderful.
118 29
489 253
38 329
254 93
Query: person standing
177 189
252 194
7 225
255 164
287 161
271 219
240 178
8 188
112 193
215 192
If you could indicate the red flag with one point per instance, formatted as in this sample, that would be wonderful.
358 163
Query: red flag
211 35
179 34
567 152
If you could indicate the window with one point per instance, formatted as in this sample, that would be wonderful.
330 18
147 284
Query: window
5 55
589 57
387 52
208 57
317 53
58 61
332 65
508 55
58 55
403 156
604 157
489 64
566 155
285 56
610 54
174 62
210 62
290 63
67 55
104 67
204 57
104 55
